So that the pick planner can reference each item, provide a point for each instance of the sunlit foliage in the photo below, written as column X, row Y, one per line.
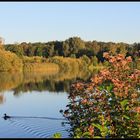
column 10, row 61
column 74, row 46
column 107, row 106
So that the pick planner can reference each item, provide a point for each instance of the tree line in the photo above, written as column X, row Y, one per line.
column 74, row 47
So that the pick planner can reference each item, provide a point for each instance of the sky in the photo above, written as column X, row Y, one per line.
column 47, row 21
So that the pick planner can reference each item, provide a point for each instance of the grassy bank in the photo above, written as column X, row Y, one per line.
column 39, row 64
column 39, row 67
column 70, row 67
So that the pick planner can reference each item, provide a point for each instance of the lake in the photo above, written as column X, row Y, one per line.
column 34, row 100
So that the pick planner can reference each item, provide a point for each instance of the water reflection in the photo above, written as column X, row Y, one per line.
column 10, row 80
column 23, row 82
column 47, row 95
column 2, row 99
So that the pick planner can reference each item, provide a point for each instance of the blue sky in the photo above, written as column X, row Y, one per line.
column 47, row 21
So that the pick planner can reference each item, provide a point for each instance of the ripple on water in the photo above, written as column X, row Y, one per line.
column 37, row 129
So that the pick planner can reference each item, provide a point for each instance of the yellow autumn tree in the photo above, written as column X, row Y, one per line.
column 9, row 61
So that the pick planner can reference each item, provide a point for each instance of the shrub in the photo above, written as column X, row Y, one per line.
column 10, row 61
column 108, row 105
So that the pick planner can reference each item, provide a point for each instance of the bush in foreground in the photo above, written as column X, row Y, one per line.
column 108, row 106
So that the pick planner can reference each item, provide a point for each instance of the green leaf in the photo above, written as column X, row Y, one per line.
column 127, row 108
column 123, row 103
column 109, row 88
column 86, row 134
column 57, row 135
column 126, row 117
column 101, row 87
column 98, row 126
column 96, row 137
column 77, row 137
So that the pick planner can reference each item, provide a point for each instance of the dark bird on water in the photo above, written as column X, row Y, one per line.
column 6, row 116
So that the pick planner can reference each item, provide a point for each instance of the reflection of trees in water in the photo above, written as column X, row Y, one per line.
column 50, row 83
column 10, row 80
column 2, row 98
column 23, row 82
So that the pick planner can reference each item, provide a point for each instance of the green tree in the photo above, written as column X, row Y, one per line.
column 50, row 49
column 75, row 44
column 39, row 51
column 86, row 59
column 121, row 48
column 73, row 55
column 65, row 48
column 15, row 48
column 94, row 61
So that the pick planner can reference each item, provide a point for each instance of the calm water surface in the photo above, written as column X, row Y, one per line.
column 33, row 95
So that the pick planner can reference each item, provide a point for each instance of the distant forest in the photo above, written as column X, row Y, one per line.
column 74, row 47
